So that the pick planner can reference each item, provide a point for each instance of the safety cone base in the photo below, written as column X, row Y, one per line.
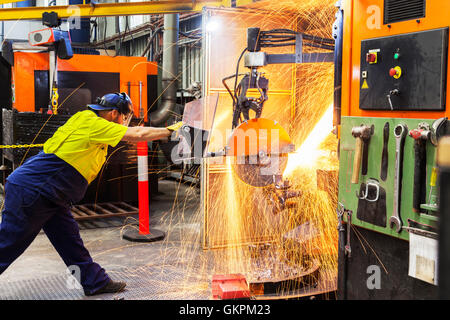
column 133, row 234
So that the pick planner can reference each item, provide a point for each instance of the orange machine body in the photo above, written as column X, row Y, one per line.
column 363, row 19
column 259, row 135
column 131, row 70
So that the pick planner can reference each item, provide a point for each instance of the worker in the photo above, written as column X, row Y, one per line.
column 39, row 193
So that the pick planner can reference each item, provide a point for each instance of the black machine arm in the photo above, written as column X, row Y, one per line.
column 255, row 58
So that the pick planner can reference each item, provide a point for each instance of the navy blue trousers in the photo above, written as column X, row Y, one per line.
column 25, row 213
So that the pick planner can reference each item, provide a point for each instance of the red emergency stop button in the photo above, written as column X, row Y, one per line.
column 395, row 72
column 392, row 72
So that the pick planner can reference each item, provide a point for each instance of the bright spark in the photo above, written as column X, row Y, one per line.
column 308, row 153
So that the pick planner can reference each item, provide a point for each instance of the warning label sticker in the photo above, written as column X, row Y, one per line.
column 365, row 85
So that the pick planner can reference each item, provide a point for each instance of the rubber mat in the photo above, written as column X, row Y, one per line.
column 143, row 283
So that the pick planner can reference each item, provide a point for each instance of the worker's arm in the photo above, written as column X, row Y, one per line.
column 136, row 134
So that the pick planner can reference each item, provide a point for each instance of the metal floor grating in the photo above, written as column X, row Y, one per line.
column 166, row 282
column 49, row 288
column 84, row 212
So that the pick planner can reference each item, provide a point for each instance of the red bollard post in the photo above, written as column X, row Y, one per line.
column 144, row 233
column 144, row 212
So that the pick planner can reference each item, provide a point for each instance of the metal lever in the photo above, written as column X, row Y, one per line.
column 394, row 92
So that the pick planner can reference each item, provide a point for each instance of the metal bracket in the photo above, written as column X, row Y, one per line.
column 298, row 48
column 299, row 56
column 372, row 183
column 305, row 58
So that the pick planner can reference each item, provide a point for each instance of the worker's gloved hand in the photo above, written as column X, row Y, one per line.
column 176, row 126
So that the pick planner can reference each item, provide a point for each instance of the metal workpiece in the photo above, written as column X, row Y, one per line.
column 280, row 193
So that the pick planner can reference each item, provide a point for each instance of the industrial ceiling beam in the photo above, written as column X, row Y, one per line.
column 112, row 9
column 9, row 1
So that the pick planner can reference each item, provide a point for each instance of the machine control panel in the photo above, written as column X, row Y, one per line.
column 404, row 72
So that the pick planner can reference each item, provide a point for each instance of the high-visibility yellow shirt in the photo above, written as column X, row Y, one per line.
column 83, row 142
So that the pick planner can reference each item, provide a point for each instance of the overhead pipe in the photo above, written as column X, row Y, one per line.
column 169, row 71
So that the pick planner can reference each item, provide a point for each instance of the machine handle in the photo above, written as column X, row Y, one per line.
column 357, row 160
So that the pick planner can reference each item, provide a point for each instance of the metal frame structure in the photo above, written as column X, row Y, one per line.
column 116, row 9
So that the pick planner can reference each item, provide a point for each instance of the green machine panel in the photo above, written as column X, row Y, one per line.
column 372, row 198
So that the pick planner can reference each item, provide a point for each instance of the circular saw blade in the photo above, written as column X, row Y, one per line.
column 259, row 148
column 260, row 174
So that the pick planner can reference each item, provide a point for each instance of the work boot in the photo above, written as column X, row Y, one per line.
column 110, row 287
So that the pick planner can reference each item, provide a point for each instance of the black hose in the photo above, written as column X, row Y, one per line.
column 272, row 45
column 237, row 72
column 275, row 40
column 226, row 86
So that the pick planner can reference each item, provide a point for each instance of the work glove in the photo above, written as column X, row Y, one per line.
column 176, row 126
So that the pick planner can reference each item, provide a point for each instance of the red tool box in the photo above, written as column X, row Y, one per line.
column 230, row 286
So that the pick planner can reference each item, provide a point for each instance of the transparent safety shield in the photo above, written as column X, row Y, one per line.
column 198, row 118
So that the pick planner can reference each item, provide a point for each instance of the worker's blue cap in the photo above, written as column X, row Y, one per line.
column 113, row 101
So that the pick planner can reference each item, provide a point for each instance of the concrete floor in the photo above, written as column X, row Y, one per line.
column 175, row 268
column 174, row 210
